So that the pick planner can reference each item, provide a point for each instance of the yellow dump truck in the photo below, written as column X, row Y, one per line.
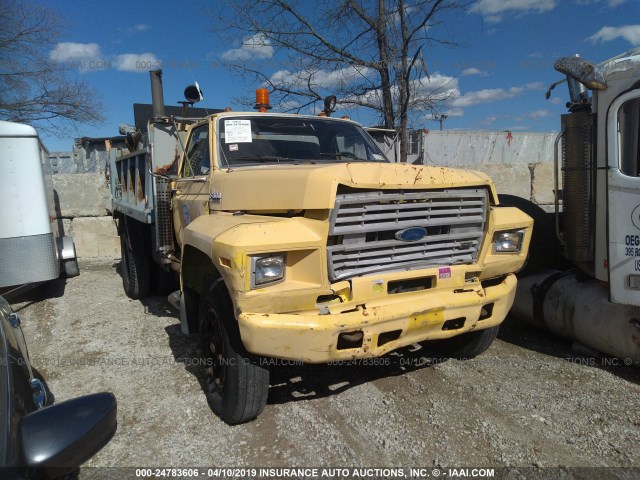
column 295, row 238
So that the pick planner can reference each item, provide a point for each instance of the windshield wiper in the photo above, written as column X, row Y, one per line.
column 268, row 159
column 348, row 155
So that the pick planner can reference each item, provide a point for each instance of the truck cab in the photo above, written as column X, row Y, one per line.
column 596, row 301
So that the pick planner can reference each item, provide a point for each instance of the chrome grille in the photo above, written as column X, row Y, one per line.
column 362, row 234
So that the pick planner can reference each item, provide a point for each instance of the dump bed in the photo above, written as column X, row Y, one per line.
column 140, row 188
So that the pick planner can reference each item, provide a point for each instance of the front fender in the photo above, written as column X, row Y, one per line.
column 229, row 240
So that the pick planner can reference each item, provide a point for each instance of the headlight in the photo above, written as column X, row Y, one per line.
column 267, row 270
column 508, row 242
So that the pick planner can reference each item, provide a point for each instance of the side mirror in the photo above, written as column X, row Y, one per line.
column 57, row 439
column 583, row 71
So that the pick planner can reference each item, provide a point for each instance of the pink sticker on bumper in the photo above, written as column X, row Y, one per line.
column 444, row 272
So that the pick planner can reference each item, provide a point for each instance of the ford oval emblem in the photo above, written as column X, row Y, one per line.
column 412, row 234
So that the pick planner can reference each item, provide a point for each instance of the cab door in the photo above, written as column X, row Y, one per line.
column 623, row 190
column 191, row 195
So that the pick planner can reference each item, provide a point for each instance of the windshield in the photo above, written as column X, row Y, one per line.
column 254, row 140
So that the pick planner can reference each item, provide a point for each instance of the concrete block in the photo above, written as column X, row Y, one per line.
column 542, row 183
column 80, row 195
column 512, row 179
column 95, row 237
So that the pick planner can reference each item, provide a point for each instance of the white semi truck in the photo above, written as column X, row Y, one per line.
column 596, row 299
column 32, row 249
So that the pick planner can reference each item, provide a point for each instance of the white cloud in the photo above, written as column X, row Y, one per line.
column 556, row 101
column 538, row 114
column 424, row 90
column 136, row 62
column 436, row 87
column 486, row 96
column 89, row 57
column 473, row 71
column 329, row 79
column 282, row 75
column 455, row 112
column 71, row 51
column 141, row 27
column 493, row 10
column 631, row 33
column 492, row 95
column 255, row 46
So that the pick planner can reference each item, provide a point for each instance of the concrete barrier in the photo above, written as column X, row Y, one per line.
column 512, row 179
column 95, row 237
column 519, row 163
column 467, row 149
column 80, row 195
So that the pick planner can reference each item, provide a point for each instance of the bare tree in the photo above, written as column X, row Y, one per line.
column 370, row 53
column 33, row 88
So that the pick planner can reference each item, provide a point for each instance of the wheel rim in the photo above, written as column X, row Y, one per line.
column 214, row 351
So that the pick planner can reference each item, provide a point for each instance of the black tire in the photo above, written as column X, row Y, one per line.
column 545, row 248
column 236, row 385
column 71, row 267
column 467, row 345
column 135, row 262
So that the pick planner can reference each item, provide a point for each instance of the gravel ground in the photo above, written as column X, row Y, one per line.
column 529, row 401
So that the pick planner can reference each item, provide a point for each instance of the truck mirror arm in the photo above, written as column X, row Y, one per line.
column 158, row 175
column 547, row 95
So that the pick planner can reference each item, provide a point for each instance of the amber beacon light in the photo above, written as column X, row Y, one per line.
column 262, row 100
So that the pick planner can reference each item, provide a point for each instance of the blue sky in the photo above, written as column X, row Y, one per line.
column 497, row 79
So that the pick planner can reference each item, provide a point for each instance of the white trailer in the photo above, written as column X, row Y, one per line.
column 32, row 250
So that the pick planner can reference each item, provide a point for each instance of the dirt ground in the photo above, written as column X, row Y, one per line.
column 530, row 401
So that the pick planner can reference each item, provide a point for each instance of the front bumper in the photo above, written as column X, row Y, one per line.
column 393, row 322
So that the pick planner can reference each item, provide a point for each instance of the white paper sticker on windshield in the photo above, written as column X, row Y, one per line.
column 237, row 131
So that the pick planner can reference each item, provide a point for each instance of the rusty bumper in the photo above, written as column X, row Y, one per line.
column 398, row 321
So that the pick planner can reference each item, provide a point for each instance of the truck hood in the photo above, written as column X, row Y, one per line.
column 302, row 187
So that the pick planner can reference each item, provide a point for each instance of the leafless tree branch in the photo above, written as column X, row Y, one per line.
column 33, row 88
column 369, row 53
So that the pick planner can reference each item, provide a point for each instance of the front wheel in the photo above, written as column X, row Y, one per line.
column 236, row 385
column 467, row 345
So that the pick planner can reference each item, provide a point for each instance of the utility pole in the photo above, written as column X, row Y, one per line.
column 440, row 117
